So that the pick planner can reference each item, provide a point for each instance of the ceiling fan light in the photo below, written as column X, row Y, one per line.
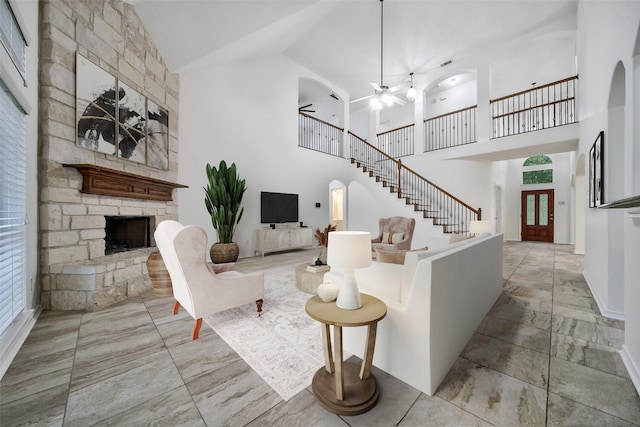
column 411, row 94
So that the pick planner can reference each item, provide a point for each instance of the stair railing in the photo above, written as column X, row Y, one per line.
column 547, row 106
column 397, row 142
column 319, row 135
column 451, row 129
column 434, row 202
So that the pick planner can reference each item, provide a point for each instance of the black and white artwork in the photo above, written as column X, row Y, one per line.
column 114, row 118
column 592, row 175
column 95, row 107
column 132, row 113
column 596, row 172
column 157, row 136
column 599, row 169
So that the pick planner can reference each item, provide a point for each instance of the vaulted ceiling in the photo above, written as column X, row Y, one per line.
column 340, row 39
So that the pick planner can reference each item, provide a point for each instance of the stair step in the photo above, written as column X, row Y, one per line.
column 380, row 171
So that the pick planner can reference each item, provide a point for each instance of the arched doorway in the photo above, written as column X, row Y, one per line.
column 338, row 204
column 537, row 200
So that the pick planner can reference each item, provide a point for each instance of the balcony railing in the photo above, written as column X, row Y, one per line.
column 397, row 142
column 451, row 129
column 318, row 135
column 547, row 106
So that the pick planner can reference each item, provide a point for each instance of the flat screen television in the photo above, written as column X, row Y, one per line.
column 278, row 207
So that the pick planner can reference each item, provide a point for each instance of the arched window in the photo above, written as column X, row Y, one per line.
column 537, row 160
column 536, row 170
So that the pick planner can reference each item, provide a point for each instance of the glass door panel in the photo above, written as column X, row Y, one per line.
column 537, row 215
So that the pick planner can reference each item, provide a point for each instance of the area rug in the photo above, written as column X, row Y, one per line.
column 284, row 345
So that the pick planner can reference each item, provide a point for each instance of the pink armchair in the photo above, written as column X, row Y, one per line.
column 196, row 287
column 395, row 233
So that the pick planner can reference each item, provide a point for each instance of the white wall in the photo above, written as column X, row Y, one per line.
column 398, row 116
column 455, row 98
column 247, row 113
column 14, row 336
column 598, row 54
column 360, row 122
column 533, row 61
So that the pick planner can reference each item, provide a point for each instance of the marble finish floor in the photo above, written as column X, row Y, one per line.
column 542, row 356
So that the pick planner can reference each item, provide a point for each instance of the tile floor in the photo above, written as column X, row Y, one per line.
column 542, row 356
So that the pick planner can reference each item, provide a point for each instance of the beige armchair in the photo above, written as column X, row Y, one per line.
column 395, row 233
column 196, row 287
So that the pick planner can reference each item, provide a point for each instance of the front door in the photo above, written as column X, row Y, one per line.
column 537, row 215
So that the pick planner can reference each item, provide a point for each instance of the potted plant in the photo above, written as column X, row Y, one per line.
column 323, row 240
column 223, row 196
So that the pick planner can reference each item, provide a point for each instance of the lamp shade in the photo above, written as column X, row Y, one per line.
column 349, row 249
column 478, row 227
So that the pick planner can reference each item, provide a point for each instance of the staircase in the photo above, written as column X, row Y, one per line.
column 435, row 203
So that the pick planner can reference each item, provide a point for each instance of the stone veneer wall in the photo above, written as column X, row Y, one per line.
column 110, row 34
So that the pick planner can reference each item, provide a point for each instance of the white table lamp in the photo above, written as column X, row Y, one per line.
column 349, row 250
column 479, row 227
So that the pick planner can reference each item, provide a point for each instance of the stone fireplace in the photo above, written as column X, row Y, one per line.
column 126, row 233
column 76, row 213
column 99, row 255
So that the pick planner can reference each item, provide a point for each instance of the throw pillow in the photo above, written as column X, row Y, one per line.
column 455, row 237
column 391, row 237
column 391, row 256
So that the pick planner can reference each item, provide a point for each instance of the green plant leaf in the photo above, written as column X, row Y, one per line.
column 223, row 196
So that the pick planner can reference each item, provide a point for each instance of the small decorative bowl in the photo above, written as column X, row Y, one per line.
column 328, row 291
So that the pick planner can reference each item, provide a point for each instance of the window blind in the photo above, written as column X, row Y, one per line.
column 12, row 208
column 11, row 37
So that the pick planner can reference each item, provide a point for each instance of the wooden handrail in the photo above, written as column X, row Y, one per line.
column 451, row 113
column 491, row 101
column 533, row 108
column 400, row 165
column 477, row 211
column 394, row 130
column 321, row 121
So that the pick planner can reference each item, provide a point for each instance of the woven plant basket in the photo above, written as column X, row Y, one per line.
column 159, row 275
column 224, row 252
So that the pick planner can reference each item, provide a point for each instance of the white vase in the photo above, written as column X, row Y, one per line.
column 328, row 291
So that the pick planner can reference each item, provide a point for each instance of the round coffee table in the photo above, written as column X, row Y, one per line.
column 346, row 388
column 308, row 281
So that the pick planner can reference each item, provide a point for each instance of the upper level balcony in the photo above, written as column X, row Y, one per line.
column 542, row 119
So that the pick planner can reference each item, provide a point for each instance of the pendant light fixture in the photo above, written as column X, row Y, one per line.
column 411, row 93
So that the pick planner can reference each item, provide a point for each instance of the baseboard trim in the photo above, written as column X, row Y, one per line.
column 15, row 335
column 632, row 368
column 606, row 313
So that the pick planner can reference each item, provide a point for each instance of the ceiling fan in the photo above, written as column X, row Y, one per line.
column 305, row 109
column 383, row 94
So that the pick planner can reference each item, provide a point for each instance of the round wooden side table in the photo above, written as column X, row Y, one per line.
column 346, row 388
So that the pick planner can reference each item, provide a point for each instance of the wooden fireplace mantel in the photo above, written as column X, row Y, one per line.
column 111, row 182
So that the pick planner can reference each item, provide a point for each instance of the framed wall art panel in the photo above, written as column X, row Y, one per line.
column 596, row 172
column 95, row 107
column 157, row 136
column 132, row 119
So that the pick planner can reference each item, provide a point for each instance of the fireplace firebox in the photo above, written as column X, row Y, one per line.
column 125, row 233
